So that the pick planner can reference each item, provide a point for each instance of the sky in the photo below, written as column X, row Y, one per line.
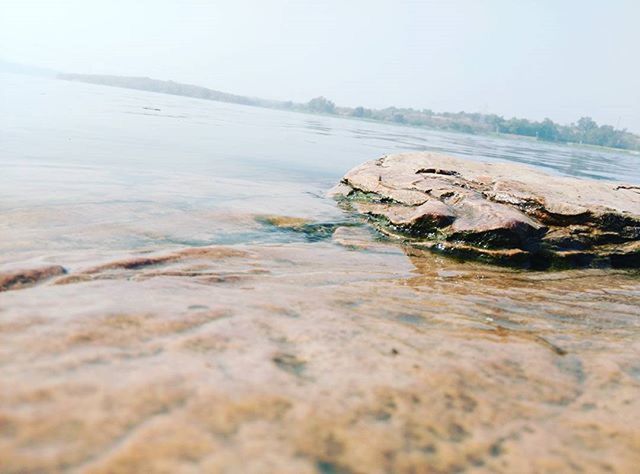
column 561, row 59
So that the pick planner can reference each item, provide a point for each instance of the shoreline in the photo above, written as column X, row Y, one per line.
column 348, row 117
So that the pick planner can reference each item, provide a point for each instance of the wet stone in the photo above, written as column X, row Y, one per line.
column 309, row 230
column 13, row 280
column 501, row 213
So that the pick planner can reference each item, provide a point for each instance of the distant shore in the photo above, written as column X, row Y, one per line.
column 584, row 132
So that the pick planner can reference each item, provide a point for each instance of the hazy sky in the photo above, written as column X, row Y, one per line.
column 556, row 58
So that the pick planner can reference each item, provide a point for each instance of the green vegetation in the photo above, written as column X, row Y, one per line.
column 584, row 131
column 321, row 105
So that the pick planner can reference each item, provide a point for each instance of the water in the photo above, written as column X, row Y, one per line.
column 106, row 156
column 241, row 345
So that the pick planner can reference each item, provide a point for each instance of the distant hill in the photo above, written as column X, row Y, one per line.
column 583, row 131
column 170, row 87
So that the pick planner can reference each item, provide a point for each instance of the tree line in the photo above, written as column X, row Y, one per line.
column 585, row 130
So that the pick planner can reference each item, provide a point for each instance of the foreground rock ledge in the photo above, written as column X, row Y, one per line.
column 498, row 212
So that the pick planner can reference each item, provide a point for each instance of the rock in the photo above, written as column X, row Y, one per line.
column 283, row 222
column 180, row 263
column 498, row 212
column 330, row 360
column 362, row 238
column 17, row 279
column 310, row 230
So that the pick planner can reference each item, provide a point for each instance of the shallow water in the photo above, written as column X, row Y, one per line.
column 192, row 334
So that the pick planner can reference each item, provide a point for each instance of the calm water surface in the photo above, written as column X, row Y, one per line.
column 189, row 336
column 105, row 157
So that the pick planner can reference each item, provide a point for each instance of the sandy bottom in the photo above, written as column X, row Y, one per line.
column 340, row 356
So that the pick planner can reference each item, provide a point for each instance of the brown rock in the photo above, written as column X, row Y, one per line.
column 497, row 211
column 24, row 278
column 331, row 360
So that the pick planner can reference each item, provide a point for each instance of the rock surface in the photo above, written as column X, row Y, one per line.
column 332, row 356
column 498, row 212
column 25, row 278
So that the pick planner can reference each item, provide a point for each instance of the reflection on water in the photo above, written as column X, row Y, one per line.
column 193, row 334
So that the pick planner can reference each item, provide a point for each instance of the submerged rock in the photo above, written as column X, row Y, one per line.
column 13, row 280
column 302, row 358
column 312, row 231
column 498, row 212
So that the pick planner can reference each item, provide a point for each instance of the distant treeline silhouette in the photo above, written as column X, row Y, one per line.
column 584, row 131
